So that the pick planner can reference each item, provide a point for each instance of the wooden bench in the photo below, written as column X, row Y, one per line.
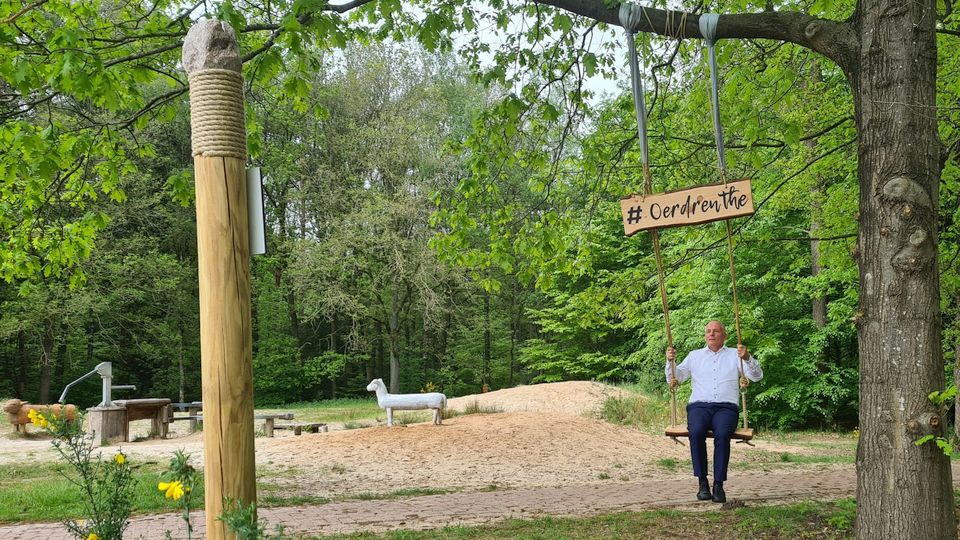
column 269, row 420
column 195, row 414
column 300, row 427
column 193, row 410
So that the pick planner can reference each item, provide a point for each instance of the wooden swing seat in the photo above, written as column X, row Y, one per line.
column 742, row 434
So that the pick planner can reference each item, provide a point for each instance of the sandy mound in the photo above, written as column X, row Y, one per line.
column 572, row 397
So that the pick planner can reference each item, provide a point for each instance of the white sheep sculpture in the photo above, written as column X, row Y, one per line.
column 407, row 402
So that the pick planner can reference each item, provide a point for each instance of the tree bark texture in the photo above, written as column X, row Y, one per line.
column 819, row 302
column 46, row 361
column 394, row 346
column 956, row 381
column 21, row 387
column 904, row 490
column 485, row 371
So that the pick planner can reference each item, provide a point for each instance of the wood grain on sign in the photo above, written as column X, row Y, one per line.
column 700, row 204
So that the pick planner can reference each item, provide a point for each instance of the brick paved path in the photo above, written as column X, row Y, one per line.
column 434, row 511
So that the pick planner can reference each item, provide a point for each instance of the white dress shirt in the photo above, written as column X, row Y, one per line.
column 716, row 375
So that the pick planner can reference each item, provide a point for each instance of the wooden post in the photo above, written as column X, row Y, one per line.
column 211, row 58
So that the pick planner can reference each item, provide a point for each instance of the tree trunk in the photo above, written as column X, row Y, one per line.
column 394, row 339
column 819, row 303
column 515, row 315
column 378, row 329
column 956, row 382
column 442, row 350
column 61, row 359
column 181, row 383
column 424, row 349
column 371, row 363
column 903, row 490
column 485, row 374
column 46, row 362
column 21, row 386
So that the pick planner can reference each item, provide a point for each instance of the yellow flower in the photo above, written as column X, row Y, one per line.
column 93, row 536
column 174, row 490
column 120, row 459
column 37, row 419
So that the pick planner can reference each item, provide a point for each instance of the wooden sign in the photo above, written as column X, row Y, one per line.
column 700, row 204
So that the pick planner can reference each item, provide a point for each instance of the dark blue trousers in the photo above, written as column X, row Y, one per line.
column 721, row 418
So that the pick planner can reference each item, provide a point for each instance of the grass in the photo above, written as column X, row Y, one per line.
column 635, row 410
column 39, row 492
column 473, row 407
column 807, row 520
column 355, row 410
column 355, row 413
column 669, row 464
column 401, row 493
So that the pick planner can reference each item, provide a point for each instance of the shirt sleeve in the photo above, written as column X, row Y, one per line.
column 752, row 370
column 683, row 370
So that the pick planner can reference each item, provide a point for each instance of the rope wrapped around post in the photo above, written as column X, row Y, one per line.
column 217, row 126
column 630, row 15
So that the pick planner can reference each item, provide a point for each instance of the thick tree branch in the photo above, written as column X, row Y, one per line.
column 835, row 40
column 144, row 54
column 343, row 8
column 25, row 9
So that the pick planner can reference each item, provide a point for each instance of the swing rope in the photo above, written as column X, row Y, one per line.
column 629, row 17
column 708, row 28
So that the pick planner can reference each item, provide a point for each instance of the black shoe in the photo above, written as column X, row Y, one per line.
column 718, row 495
column 704, row 492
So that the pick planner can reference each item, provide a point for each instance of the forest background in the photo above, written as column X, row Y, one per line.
column 443, row 215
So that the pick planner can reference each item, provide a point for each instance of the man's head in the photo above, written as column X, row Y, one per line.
column 715, row 335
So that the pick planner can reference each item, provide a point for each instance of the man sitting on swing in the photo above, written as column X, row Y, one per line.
column 715, row 370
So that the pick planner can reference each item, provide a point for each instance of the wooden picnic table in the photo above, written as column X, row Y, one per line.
column 153, row 409
column 192, row 408
column 194, row 411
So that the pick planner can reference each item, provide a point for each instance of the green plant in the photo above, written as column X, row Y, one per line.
column 942, row 400
column 474, row 407
column 846, row 513
column 667, row 463
column 104, row 486
column 180, row 478
column 242, row 521
column 632, row 411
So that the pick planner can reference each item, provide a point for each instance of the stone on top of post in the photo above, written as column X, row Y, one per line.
column 211, row 44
